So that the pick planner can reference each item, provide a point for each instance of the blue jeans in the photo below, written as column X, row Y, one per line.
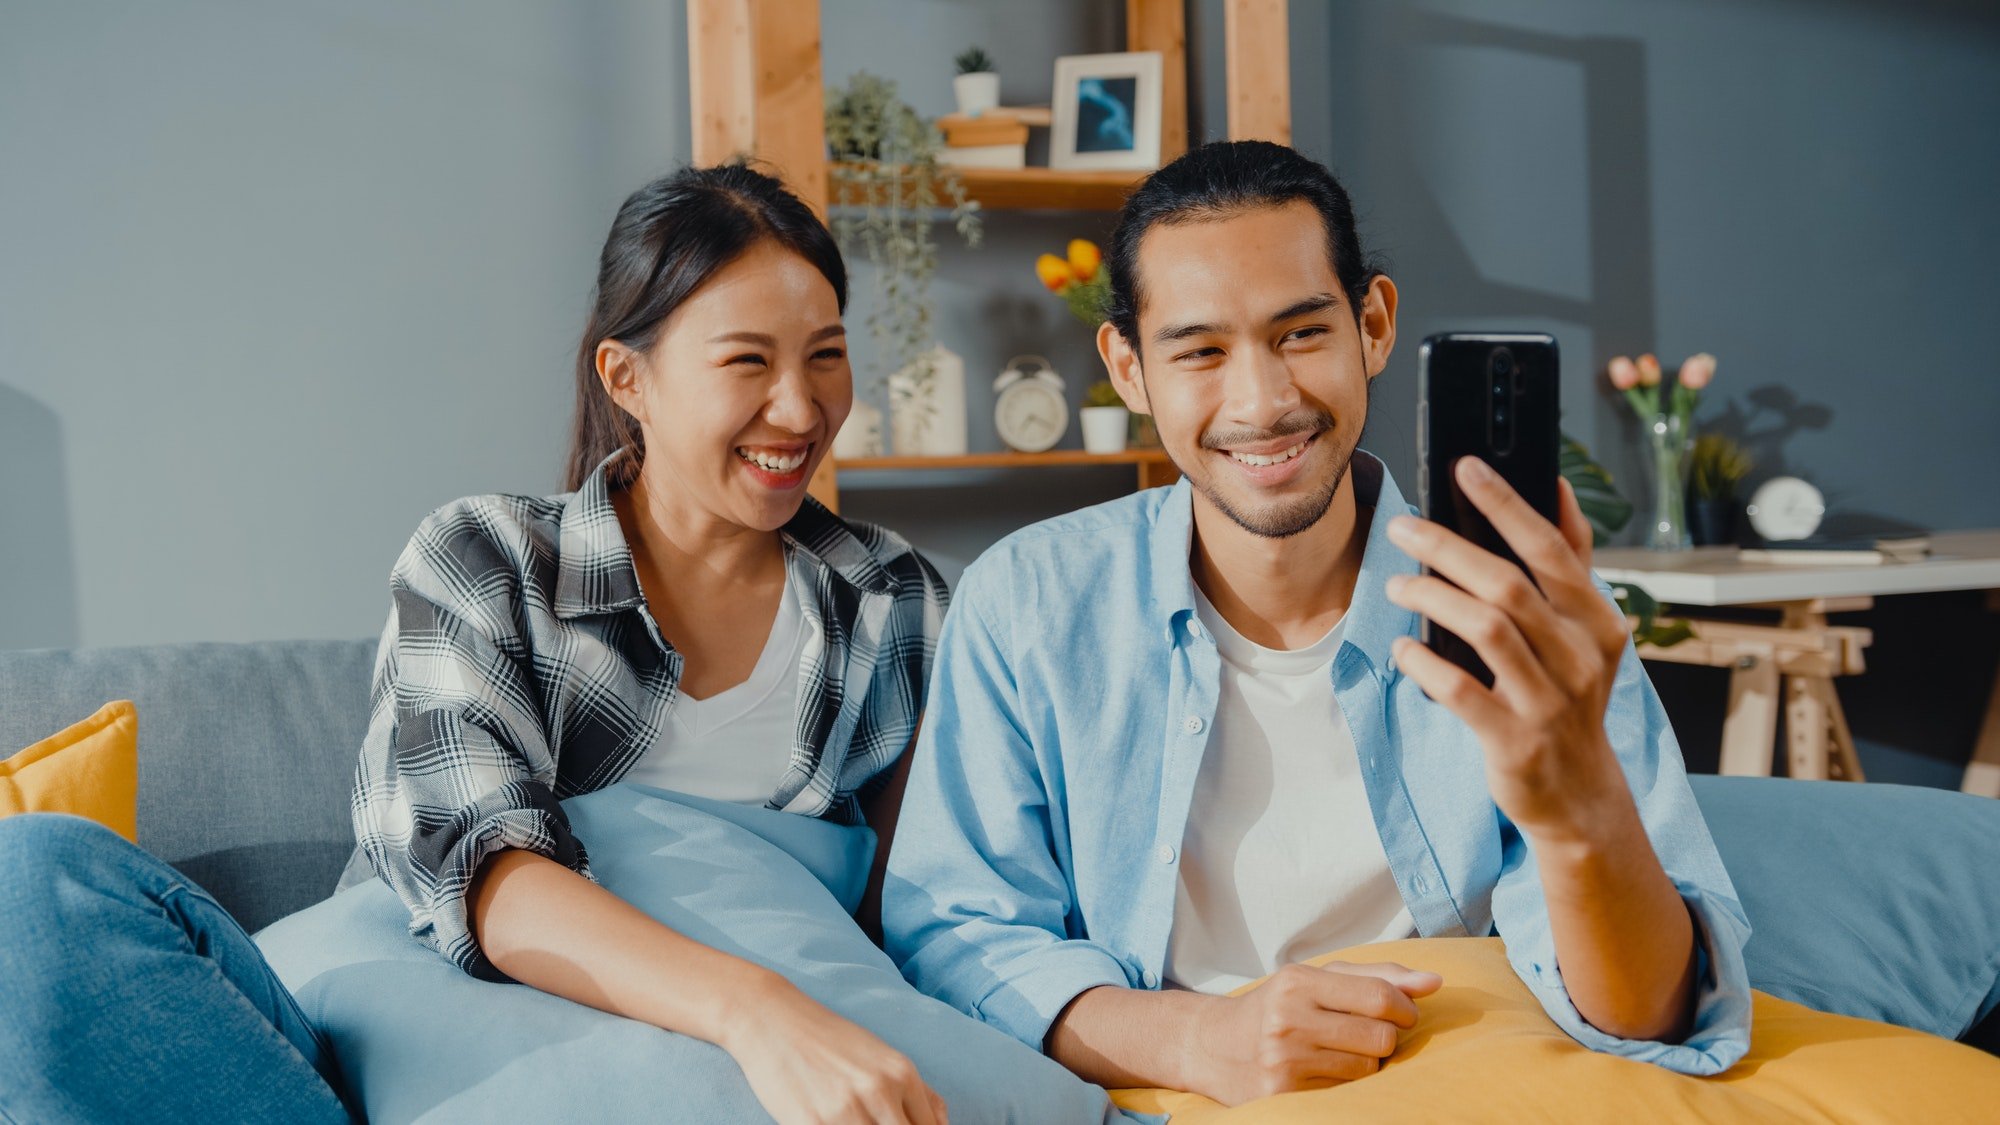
column 128, row 994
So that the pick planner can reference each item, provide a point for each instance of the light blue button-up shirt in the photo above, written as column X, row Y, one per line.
column 1073, row 697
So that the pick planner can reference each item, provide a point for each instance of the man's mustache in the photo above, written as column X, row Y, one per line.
column 1297, row 422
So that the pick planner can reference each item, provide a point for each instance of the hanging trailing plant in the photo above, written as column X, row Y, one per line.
column 886, row 186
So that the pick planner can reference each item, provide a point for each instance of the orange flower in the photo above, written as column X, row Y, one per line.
column 1084, row 258
column 1649, row 370
column 1624, row 373
column 1054, row 272
column 1697, row 371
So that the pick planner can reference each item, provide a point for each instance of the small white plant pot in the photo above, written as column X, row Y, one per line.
column 976, row 93
column 862, row 435
column 1104, row 428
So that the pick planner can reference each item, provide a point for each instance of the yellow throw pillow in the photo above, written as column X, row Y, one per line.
column 90, row 770
column 1483, row 1050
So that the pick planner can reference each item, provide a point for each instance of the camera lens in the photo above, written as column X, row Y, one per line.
column 1500, row 417
column 1503, row 363
column 1500, row 388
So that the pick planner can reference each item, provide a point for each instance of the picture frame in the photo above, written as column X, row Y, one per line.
column 1107, row 112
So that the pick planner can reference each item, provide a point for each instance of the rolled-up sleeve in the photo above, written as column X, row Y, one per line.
column 455, row 765
column 976, row 906
column 1651, row 759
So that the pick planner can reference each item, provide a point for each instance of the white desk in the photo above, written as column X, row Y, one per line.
column 1804, row 649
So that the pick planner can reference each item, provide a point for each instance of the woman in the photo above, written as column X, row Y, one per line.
column 684, row 616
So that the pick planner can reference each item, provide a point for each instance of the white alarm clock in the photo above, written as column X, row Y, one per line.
column 1030, row 408
column 1785, row 508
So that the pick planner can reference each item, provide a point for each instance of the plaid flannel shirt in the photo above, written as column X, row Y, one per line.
column 520, row 667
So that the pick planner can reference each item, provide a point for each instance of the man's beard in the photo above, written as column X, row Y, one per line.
column 1291, row 517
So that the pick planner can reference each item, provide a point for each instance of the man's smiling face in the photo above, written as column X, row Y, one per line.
column 1251, row 362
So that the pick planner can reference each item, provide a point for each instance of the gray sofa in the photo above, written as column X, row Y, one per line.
column 247, row 754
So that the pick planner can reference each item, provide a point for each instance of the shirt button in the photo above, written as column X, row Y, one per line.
column 1193, row 724
column 1420, row 885
column 1194, row 628
column 1165, row 852
column 1150, row 979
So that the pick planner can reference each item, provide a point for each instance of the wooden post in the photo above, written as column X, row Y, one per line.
column 1259, row 70
column 1159, row 25
column 1982, row 773
column 1750, row 728
column 1805, row 730
column 1153, row 474
column 1845, row 762
column 755, row 89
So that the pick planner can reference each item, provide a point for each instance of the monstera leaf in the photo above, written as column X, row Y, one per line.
column 1609, row 512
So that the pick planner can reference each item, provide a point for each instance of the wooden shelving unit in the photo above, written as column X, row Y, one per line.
column 1046, row 189
column 757, row 88
column 1154, row 467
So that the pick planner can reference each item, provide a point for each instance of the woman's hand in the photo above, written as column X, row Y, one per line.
column 808, row 1066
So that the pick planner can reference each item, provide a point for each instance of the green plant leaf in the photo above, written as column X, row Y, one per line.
column 1665, row 636
column 1607, row 511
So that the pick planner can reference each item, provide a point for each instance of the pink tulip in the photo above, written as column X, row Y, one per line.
column 1624, row 375
column 1697, row 371
column 1649, row 370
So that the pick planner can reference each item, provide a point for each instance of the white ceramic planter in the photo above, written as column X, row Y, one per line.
column 862, row 435
column 976, row 93
column 1104, row 428
column 927, row 417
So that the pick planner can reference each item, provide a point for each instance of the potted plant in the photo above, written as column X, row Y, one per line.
column 1715, row 467
column 977, row 86
column 1105, row 419
column 886, row 187
column 1669, row 427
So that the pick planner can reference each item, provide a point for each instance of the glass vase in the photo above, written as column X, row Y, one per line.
column 1668, row 439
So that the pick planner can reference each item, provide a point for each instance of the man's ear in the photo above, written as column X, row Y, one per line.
column 1121, row 361
column 618, row 371
column 1378, row 324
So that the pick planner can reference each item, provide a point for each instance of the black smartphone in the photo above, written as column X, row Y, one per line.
column 1493, row 396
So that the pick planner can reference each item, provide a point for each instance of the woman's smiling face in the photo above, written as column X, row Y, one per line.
column 741, row 393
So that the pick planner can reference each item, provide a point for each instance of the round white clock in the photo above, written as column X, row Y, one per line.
column 1030, row 409
column 1785, row 508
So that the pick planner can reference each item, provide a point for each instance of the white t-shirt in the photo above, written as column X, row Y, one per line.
column 1281, row 860
column 736, row 744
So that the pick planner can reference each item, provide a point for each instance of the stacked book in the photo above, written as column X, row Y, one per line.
column 1842, row 552
column 997, row 138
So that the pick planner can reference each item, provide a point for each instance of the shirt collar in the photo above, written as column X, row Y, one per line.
column 595, row 572
column 1372, row 623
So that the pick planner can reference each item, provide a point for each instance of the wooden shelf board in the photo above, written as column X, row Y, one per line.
column 1029, row 189
column 1054, row 457
column 1024, row 189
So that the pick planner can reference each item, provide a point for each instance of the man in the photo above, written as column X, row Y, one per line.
column 1189, row 738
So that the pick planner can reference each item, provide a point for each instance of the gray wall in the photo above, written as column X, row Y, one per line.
column 275, row 281
column 1803, row 189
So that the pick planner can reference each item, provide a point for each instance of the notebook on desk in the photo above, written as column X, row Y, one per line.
column 1840, row 552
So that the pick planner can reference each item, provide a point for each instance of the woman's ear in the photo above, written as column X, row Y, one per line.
column 1378, row 323
column 618, row 370
column 1121, row 361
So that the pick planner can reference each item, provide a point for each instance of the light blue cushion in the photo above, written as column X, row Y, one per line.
column 419, row 1040
column 1879, row 901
